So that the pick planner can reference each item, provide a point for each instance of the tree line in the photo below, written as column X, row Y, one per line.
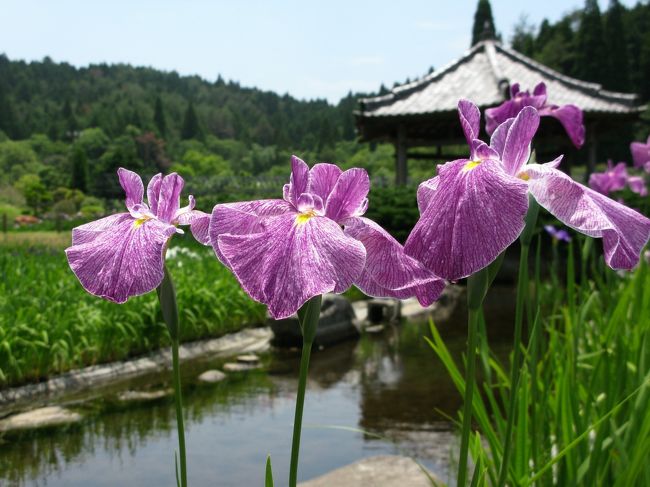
column 610, row 47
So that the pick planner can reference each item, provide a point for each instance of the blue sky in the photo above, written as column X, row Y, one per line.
column 310, row 49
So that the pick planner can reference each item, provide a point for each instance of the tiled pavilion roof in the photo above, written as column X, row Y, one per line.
column 483, row 75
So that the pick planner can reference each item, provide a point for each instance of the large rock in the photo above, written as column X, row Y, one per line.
column 379, row 471
column 40, row 418
column 337, row 323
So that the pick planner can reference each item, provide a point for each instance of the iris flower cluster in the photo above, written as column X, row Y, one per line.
column 316, row 240
column 287, row 252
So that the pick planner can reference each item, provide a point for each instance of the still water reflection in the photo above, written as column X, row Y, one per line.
column 390, row 386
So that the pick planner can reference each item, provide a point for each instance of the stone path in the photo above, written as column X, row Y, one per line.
column 379, row 471
column 40, row 418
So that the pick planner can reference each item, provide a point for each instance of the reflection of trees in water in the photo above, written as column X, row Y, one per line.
column 403, row 382
column 115, row 429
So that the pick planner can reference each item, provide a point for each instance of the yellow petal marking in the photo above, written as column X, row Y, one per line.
column 139, row 222
column 470, row 165
column 302, row 218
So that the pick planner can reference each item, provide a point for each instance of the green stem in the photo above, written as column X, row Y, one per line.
column 470, row 379
column 308, row 315
column 477, row 286
column 167, row 298
column 522, row 300
column 179, row 413
column 522, row 293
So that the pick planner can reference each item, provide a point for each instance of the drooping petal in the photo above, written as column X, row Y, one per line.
column 348, row 197
column 291, row 261
column 322, row 179
column 243, row 219
column 497, row 115
column 389, row 272
column 169, row 198
column 516, row 149
column 571, row 118
column 123, row 259
column 426, row 189
column 132, row 185
column 600, row 182
column 89, row 231
column 199, row 223
column 298, row 180
column 153, row 192
column 614, row 179
column 470, row 120
column 476, row 212
column 640, row 153
column 624, row 231
column 637, row 185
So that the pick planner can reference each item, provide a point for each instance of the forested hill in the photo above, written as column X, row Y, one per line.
column 60, row 100
column 610, row 47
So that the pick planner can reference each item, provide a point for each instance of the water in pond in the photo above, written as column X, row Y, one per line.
column 391, row 386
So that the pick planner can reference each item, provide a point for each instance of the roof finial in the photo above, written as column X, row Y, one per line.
column 483, row 28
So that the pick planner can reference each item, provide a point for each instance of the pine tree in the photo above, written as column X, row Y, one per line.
column 159, row 118
column 591, row 48
column 79, row 169
column 191, row 129
column 483, row 23
column 618, row 76
column 523, row 38
column 8, row 119
column 69, row 119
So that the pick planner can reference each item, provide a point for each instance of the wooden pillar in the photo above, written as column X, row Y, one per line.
column 401, row 165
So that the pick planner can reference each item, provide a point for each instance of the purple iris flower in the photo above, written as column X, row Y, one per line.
column 641, row 154
column 123, row 255
column 558, row 234
column 637, row 185
column 613, row 179
column 570, row 116
column 315, row 241
column 475, row 208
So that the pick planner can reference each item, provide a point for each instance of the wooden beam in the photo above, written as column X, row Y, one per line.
column 401, row 162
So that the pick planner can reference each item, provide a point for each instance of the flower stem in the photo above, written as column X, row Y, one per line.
column 308, row 316
column 167, row 298
column 477, row 286
column 179, row 413
column 522, row 301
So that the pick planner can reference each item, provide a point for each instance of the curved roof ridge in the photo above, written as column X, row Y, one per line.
column 568, row 80
column 405, row 88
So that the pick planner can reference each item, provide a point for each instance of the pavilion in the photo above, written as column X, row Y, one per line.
column 422, row 113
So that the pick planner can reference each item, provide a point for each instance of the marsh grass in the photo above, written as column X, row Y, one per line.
column 51, row 240
column 583, row 392
column 49, row 324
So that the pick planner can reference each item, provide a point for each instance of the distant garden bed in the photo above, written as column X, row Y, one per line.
column 49, row 324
